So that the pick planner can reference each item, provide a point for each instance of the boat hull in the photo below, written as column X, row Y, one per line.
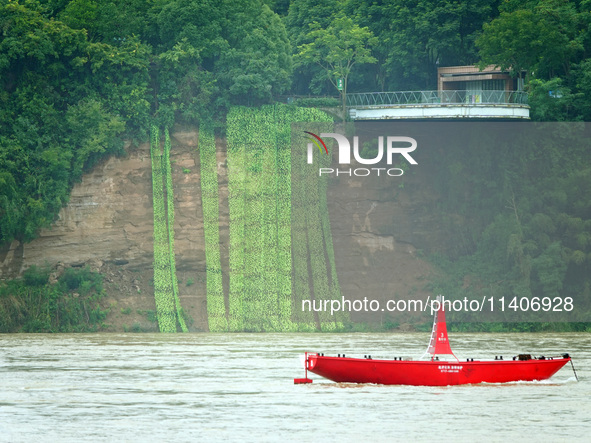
column 431, row 373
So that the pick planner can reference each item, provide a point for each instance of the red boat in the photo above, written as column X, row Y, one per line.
column 441, row 368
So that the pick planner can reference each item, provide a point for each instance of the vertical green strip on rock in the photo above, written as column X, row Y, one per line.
column 283, row 118
column 216, row 309
column 261, row 201
column 163, row 291
column 170, row 225
column 299, row 235
column 268, row 148
column 236, row 127
column 168, row 308
column 253, row 213
column 315, row 276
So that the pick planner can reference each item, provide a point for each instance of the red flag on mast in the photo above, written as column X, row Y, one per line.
column 439, row 343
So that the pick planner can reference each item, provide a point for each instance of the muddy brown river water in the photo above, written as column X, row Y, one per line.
column 239, row 387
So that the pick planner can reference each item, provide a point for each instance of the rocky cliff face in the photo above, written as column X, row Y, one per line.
column 379, row 226
column 108, row 224
column 108, row 218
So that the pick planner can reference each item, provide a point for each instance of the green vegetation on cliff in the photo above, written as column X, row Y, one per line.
column 265, row 225
column 69, row 304
column 78, row 77
column 216, row 308
column 168, row 307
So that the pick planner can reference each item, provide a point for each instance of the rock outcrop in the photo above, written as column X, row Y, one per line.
column 109, row 216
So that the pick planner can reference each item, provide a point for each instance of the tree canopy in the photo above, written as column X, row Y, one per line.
column 336, row 49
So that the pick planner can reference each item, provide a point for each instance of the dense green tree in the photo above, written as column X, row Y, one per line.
column 59, row 115
column 511, row 41
column 416, row 37
column 336, row 49
column 552, row 100
column 301, row 15
column 544, row 39
column 109, row 22
column 243, row 44
column 547, row 43
column 257, row 65
column 581, row 82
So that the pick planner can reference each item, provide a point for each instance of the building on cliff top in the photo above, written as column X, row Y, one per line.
column 463, row 92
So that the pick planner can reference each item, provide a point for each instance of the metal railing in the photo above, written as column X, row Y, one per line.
column 368, row 99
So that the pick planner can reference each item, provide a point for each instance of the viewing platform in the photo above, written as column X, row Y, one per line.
column 442, row 104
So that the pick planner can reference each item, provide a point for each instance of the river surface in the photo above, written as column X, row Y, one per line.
column 239, row 388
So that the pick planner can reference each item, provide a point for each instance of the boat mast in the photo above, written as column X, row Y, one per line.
column 439, row 342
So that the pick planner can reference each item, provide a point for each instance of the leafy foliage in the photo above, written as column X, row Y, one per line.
column 336, row 49
column 547, row 42
column 217, row 53
column 542, row 37
column 72, row 304
column 412, row 39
